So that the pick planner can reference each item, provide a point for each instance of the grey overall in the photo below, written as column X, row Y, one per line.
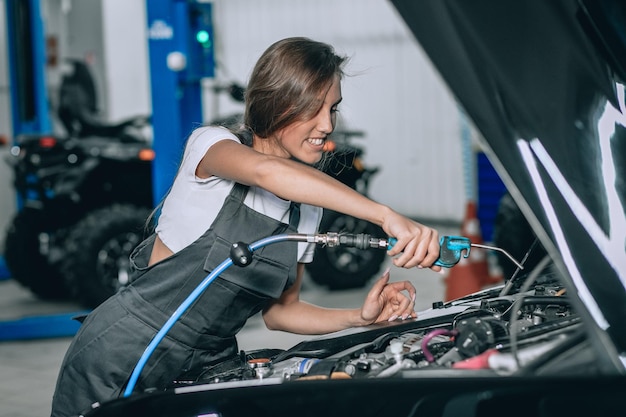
column 113, row 337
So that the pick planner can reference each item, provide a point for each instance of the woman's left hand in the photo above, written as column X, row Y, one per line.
column 388, row 301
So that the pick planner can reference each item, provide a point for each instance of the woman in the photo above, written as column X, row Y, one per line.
column 240, row 187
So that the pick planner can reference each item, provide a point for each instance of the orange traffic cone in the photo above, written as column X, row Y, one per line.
column 470, row 274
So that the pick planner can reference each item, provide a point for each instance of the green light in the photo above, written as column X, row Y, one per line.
column 202, row 36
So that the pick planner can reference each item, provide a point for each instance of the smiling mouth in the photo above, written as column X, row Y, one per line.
column 316, row 142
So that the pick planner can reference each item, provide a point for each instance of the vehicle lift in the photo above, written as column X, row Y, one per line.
column 181, row 54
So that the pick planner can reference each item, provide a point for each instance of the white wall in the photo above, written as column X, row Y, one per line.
column 125, row 59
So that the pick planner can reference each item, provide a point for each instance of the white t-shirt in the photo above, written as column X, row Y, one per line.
column 193, row 203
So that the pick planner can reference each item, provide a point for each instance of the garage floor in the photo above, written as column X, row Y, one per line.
column 28, row 368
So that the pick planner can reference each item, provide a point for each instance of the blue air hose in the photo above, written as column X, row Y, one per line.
column 194, row 295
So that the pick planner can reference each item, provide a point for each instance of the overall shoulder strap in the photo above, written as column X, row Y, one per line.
column 239, row 191
column 294, row 215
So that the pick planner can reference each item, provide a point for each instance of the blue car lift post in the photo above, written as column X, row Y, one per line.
column 177, row 29
column 180, row 43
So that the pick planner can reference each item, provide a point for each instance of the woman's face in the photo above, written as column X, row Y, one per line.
column 305, row 140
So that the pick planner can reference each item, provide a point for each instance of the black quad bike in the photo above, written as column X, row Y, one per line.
column 84, row 200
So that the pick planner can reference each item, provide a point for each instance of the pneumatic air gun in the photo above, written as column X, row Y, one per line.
column 450, row 252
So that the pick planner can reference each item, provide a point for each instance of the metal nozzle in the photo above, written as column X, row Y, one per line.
column 508, row 255
column 359, row 241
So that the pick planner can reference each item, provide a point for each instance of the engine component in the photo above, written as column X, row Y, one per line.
column 474, row 336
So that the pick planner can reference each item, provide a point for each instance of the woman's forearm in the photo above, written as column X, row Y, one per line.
column 292, row 181
column 304, row 318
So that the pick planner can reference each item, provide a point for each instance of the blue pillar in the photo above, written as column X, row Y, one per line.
column 27, row 75
column 178, row 62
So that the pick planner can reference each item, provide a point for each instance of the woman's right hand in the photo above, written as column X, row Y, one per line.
column 417, row 245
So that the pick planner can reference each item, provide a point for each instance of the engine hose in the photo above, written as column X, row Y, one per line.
column 194, row 295
column 427, row 338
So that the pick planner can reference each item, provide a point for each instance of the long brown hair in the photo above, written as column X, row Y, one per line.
column 288, row 82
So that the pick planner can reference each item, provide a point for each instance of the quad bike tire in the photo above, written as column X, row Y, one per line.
column 97, row 252
column 340, row 267
column 26, row 264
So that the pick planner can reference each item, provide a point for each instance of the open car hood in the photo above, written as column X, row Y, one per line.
column 543, row 81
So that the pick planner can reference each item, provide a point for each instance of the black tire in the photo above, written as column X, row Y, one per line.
column 341, row 267
column 97, row 252
column 26, row 264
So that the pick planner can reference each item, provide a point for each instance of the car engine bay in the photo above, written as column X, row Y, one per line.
column 491, row 333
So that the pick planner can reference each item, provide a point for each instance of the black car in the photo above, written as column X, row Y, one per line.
column 543, row 81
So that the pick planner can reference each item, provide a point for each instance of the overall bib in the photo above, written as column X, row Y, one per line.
column 113, row 337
